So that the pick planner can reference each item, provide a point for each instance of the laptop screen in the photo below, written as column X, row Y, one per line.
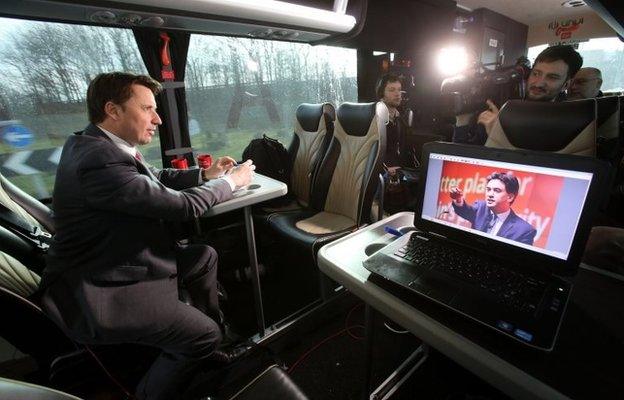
column 535, row 208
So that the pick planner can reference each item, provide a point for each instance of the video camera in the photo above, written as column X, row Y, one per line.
column 464, row 94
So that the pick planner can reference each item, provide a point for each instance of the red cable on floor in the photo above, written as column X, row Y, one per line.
column 316, row 346
column 110, row 376
column 346, row 329
column 354, row 336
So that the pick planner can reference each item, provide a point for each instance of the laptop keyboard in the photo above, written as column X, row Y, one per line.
column 518, row 291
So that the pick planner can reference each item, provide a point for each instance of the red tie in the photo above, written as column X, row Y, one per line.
column 138, row 156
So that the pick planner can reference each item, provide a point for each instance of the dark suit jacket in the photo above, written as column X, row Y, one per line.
column 514, row 227
column 112, row 266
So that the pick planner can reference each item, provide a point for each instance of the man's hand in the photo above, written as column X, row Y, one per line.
column 488, row 117
column 457, row 195
column 243, row 174
column 392, row 171
column 218, row 168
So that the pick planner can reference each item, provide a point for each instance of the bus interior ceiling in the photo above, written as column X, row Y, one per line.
column 259, row 59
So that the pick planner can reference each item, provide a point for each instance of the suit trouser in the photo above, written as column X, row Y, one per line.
column 192, row 335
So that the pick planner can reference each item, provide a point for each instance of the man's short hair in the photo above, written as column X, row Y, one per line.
column 565, row 53
column 385, row 79
column 512, row 185
column 595, row 71
column 115, row 87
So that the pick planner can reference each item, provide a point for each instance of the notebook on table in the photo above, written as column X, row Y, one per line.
column 499, row 234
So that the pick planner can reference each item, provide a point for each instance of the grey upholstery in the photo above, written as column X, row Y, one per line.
column 561, row 127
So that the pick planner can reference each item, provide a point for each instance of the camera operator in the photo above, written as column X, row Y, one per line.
column 399, row 194
column 549, row 78
column 388, row 90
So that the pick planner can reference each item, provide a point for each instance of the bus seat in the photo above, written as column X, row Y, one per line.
column 17, row 204
column 608, row 129
column 31, row 331
column 15, row 390
column 30, row 209
column 346, row 181
column 272, row 383
column 313, row 130
column 258, row 375
column 561, row 127
column 15, row 277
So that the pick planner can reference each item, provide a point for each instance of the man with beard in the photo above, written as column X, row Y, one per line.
column 550, row 76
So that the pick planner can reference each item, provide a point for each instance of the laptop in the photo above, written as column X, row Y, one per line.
column 499, row 234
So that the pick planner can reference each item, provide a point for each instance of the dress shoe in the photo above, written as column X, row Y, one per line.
column 229, row 355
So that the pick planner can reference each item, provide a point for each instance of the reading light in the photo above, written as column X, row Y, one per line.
column 452, row 60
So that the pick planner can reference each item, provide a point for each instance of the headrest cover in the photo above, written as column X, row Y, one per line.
column 545, row 126
column 355, row 118
column 607, row 106
column 308, row 116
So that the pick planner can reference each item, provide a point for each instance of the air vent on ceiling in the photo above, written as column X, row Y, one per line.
column 282, row 34
column 106, row 17
column 129, row 19
column 573, row 3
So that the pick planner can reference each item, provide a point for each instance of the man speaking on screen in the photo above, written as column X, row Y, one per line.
column 494, row 215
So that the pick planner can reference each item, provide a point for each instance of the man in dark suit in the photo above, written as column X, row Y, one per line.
column 494, row 215
column 113, row 268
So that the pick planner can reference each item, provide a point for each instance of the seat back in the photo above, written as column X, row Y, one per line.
column 20, row 209
column 347, row 177
column 314, row 128
column 608, row 129
column 25, row 206
column 28, row 329
column 560, row 127
column 25, row 325
column 608, row 117
column 15, row 390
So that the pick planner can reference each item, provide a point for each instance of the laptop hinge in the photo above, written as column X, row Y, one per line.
column 437, row 235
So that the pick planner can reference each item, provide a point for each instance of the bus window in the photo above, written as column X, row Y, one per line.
column 606, row 54
column 238, row 89
column 46, row 68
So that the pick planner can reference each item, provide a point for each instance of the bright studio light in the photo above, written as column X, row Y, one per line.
column 452, row 60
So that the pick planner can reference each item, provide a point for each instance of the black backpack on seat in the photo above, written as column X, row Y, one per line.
column 270, row 158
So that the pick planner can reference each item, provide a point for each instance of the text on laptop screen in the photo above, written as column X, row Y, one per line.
column 532, row 207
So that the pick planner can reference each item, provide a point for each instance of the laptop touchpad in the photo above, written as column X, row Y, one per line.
column 436, row 287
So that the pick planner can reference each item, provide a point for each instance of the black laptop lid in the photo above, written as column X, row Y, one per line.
column 532, row 208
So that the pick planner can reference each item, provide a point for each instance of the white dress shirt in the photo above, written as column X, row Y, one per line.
column 132, row 150
column 500, row 219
